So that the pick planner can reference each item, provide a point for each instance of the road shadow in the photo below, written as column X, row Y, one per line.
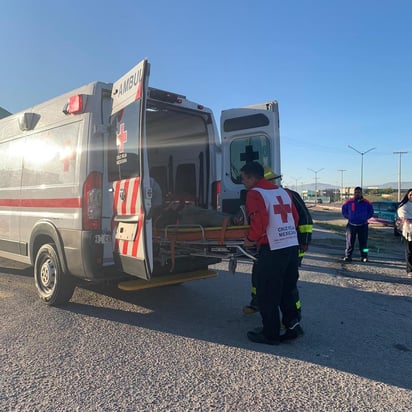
column 358, row 332
column 346, row 328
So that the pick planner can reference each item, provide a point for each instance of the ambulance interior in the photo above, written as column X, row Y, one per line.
column 178, row 147
column 181, row 147
column 179, row 152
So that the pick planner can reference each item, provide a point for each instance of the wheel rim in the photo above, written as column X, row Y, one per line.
column 47, row 276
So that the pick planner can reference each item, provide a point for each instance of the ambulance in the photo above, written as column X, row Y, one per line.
column 76, row 172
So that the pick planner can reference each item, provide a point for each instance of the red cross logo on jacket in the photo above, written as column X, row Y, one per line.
column 282, row 209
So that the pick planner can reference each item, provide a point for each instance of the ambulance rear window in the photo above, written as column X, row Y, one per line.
column 245, row 122
column 247, row 149
column 123, row 153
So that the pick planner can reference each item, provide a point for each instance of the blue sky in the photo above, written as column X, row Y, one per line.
column 340, row 70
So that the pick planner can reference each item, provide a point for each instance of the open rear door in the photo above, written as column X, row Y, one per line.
column 248, row 134
column 129, row 174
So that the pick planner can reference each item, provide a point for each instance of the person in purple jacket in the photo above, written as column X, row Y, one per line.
column 357, row 210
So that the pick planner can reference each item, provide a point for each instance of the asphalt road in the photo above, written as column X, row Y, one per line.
column 184, row 348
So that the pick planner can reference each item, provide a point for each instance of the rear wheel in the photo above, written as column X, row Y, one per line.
column 53, row 285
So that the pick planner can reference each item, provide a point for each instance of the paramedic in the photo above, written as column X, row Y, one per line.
column 357, row 210
column 273, row 220
column 290, row 318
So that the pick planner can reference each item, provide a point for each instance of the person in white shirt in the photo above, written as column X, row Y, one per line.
column 405, row 213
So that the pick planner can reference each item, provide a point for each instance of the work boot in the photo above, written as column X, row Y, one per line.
column 252, row 307
column 292, row 333
column 259, row 337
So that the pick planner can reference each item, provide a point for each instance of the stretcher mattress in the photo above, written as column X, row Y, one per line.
column 192, row 233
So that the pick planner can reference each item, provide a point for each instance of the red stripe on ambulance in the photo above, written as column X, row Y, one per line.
column 125, row 188
column 127, row 203
column 64, row 203
column 135, row 191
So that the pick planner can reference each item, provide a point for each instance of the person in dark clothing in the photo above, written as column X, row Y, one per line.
column 273, row 221
column 291, row 293
column 357, row 210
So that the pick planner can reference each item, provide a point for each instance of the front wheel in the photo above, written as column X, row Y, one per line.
column 53, row 285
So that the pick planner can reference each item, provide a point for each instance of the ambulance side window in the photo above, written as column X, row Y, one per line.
column 247, row 149
column 123, row 153
column 50, row 156
column 10, row 165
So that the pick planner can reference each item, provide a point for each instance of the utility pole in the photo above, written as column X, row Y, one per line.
column 296, row 183
column 399, row 173
column 361, row 153
column 316, row 181
column 341, row 183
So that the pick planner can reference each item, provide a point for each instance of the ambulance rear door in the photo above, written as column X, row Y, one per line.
column 129, row 174
column 248, row 134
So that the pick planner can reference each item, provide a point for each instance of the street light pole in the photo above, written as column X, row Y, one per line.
column 361, row 153
column 316, row 181
column 296, row 182
column 399, row 173
column 341, row 182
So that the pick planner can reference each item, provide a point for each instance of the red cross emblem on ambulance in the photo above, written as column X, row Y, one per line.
column 67, row 156
column 121, row 138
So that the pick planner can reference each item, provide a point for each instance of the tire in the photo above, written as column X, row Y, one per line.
column 53, row 285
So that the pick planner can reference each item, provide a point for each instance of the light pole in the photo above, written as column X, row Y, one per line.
column 316, row 181
column 361, row 153
column 399, row 173
column 341, row 183
column 296, row 182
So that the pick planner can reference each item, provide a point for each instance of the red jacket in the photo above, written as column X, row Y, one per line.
column 258, row 214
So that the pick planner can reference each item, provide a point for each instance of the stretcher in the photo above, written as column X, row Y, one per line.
column 223, row 242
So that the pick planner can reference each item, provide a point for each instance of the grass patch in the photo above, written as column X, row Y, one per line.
column 333, row 227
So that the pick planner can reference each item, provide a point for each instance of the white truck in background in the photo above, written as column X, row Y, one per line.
column 75, row 194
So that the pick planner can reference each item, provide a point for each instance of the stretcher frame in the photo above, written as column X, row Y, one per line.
column 222, row 242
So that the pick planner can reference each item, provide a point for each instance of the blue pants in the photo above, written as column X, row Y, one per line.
column 361, row 232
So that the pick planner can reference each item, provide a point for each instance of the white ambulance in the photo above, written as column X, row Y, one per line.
column 75, row 173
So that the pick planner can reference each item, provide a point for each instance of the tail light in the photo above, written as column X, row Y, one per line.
column 216, row 190
column 92, row 202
